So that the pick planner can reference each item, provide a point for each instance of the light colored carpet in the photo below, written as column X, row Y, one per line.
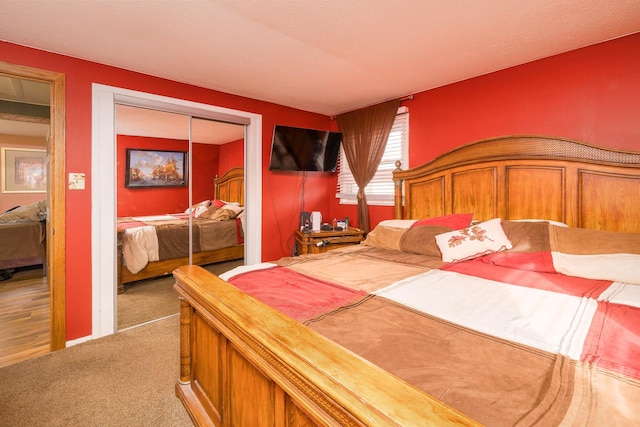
column 223, row 267
column 125, row 379
column 153, row 299
column 146, row 301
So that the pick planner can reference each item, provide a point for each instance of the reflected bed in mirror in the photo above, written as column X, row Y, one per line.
column 218, row 234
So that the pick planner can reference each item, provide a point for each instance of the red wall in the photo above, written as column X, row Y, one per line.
column 205, row 167
column 300, row 191
column 154, row 201
column 231, row 156
column 79, row 78
column 208, row 160
column 591, row 95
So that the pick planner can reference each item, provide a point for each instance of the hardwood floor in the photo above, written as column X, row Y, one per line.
column 24, row 316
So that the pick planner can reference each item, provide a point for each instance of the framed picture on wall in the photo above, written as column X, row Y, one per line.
column 24, row 170
column 155, row 168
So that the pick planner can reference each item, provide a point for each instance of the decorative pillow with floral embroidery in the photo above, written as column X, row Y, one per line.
column 474, row 241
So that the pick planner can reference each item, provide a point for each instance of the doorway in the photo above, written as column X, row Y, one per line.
column 55, row 223
column 103, row 169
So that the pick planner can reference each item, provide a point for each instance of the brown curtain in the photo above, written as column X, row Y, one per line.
column 364, row 139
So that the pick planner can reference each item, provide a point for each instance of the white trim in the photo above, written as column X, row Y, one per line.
column 103, row 189
column 79, row 341
column 149, row 322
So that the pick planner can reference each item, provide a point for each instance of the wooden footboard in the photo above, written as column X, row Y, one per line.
column 243, row 363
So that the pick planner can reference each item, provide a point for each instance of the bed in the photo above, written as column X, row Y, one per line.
column 216, row 238
column 535, row 323
column 22, row 233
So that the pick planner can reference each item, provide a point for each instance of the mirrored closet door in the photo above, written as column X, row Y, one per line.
column 167, row 208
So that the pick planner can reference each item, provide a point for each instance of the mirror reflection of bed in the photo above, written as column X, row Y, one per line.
column 162, row 216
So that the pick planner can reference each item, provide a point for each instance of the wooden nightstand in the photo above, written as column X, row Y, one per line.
column 322, row 241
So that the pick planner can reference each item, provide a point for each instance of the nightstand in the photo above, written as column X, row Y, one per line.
column 317, row 242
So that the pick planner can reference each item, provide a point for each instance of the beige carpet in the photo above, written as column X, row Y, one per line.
column 146, row 301
column 154, row 299
column 125, row 379
column 223, row 267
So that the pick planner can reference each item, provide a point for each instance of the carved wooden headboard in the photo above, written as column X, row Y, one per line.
column 527, row 177
column 230, row 186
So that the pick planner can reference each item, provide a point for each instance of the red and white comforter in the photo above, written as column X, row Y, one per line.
column 555, row 320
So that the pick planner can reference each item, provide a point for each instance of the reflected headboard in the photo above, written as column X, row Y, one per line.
column 230, row 186
column 527, row 177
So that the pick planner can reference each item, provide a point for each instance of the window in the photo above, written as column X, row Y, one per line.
column 380, row 190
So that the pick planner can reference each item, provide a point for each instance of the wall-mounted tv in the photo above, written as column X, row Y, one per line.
column 299, row 149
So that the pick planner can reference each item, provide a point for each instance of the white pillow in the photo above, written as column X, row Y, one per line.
column 200, row 210
column 204, row 203
column 556, row 223
column 477, row 240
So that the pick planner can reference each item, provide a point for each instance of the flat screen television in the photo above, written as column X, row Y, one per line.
column 299, row 149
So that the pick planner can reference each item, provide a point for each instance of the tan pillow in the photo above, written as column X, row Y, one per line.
column 422, row 240
column 36, row 211
column 211, row 210
column 397, row 223
column 234, row 207
column 223, row 214
column 385, row 237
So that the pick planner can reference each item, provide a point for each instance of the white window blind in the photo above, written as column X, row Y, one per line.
column 380, row 189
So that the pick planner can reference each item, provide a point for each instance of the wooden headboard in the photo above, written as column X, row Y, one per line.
column 527, row 177
column 230, row 186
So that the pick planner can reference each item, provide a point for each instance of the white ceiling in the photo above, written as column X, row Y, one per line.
column 129, row 120
column 18, row 90
column 161, row 124
column 326, row 56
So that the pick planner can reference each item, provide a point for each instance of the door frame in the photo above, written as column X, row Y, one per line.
column 103, row 192
column 55, row 230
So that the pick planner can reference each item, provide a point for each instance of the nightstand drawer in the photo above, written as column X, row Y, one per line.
column 322, row 241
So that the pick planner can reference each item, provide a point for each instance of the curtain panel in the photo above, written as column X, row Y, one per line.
column 364, row 139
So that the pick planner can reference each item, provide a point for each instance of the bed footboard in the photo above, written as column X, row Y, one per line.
column 243, row 363
column 165, row 267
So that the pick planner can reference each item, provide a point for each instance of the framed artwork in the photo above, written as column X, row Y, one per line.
column 24, row 170
column 155, row 168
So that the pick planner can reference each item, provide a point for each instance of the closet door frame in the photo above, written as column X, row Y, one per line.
column 103, row 198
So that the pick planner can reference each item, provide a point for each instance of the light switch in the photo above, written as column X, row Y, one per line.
column 76, row 181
